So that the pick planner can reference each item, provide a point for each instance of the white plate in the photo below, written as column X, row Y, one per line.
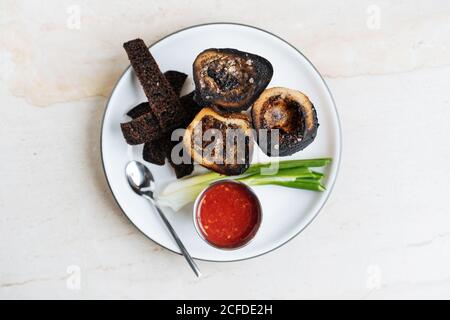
column 286, row 211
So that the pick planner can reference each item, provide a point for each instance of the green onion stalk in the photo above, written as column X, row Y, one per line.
column 290, row 173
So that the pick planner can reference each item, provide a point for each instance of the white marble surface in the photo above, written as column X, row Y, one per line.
column 385, row 232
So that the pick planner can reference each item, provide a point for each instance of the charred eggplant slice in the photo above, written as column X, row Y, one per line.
column 289, row 111
column 220, row 142
column 230, row 79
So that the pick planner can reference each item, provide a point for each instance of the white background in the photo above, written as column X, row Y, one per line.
column 385, row 232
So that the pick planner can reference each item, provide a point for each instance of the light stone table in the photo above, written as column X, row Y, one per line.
column 385, row 231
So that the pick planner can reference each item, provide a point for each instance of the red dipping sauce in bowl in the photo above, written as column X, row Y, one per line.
column 227, row 214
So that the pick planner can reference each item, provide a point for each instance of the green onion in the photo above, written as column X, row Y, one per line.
column 320, row 162
column 291, row 173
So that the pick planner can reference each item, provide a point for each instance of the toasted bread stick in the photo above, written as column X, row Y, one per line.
column 140, row 130
column 176, row 80
column 164, row 102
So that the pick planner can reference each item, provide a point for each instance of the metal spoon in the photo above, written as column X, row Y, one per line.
column 141, row 181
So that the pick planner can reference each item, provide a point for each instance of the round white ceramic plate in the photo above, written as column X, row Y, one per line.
column 286, row 212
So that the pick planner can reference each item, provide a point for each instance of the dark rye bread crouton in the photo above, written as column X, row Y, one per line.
column 141, row 109
column 152, row 152
column 156, row 151
column 140, row 130
column 182, row 169
column 164, row 102
column 190, row 108
column 176, row 80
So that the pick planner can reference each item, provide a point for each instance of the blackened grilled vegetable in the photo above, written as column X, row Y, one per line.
column 230, row 79
column 220, row 142
column 289, row 111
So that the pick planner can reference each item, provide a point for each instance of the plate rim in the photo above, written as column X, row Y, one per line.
column 330, row 190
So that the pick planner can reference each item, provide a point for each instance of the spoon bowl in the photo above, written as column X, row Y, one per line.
column 142, row 182
column 140, row 177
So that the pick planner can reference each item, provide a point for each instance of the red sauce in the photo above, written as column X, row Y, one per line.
column 228, row 214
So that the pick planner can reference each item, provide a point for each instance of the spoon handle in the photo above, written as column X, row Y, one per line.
column 185, row 253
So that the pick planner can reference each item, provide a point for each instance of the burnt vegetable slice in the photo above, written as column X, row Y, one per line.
column 220, row 142
column 289, row 111
column 230, row 79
